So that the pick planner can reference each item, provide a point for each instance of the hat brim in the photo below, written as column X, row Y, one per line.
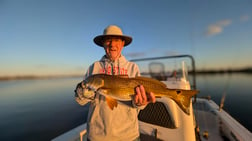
column 99, row 39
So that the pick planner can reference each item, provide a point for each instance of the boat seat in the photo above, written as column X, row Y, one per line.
column 157, row 114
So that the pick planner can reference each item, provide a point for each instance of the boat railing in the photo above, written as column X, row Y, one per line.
column 192, row 71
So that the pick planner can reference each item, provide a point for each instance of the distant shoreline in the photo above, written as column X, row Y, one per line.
column 245, row 70
column 31, row 77
column 198, row 72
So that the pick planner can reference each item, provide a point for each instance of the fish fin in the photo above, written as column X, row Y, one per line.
column 184, row 99
column 111, row 102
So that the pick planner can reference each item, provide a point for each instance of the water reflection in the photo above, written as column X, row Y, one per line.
column 238, row 94
column 44, row 109
column 38, row 109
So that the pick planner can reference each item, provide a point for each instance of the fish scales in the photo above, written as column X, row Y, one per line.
column 126, row 86
column 123, row 88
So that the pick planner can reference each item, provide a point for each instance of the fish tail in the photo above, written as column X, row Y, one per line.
column 183, row 99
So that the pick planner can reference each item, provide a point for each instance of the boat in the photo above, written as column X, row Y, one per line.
column 165, row 121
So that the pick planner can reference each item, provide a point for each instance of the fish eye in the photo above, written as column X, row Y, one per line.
column 85, row 86
column 178, row 91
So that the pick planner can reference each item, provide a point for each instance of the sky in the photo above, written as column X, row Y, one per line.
column 55, row 37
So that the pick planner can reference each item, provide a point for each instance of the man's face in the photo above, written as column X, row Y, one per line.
column 113, row 47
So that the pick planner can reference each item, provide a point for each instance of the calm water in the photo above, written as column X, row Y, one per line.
column 38, row 109
column 238, row 94
column 43, row 109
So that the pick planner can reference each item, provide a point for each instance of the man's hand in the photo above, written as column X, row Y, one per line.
column 141, row 98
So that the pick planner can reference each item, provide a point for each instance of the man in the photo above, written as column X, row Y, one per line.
column 121, row 123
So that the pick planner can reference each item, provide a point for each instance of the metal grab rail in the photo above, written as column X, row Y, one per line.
column 175, row 56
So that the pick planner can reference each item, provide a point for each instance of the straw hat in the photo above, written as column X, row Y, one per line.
column 114, row 31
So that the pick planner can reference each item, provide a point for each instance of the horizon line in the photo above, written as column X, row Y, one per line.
column 198, row 71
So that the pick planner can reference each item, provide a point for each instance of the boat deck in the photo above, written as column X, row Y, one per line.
column 208, row 122
column 218, row 125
